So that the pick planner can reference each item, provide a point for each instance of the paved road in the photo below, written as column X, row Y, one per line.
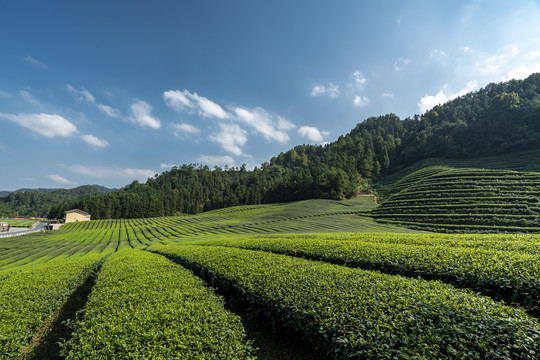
column 23, row 231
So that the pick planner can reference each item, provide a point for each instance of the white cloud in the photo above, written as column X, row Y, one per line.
column 178, row 129
column 216, row 160
column 387, row 95
column 29, row 98
column 60, row 179
column 185, row 100
column 436, row 56
column 92, row 140
column 113, row 173
column 400, row 63
column 85, row 95
column 32, row 60
column 44, row 124
column 359, row 80
column 81, row 95
column 166, row 166
column 429, row 101
column 271, row 127
column 284, row 124
column 109, row 111
column 231, row 138
column 312, row 133
column 361, row 101
column 331, row 90
column 141, row 115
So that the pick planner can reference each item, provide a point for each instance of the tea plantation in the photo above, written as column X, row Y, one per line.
column 347, row 286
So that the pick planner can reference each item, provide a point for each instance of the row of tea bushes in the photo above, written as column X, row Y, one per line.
column 144, row 306
column 358, row 314
column 512, row 276
column 33, row 294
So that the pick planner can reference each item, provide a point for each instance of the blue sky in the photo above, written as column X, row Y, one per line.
column 106, row 92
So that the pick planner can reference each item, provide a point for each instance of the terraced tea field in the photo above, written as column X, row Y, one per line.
column 458, row 199
column 190, row 287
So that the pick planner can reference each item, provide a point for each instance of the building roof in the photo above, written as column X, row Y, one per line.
column 76, row 211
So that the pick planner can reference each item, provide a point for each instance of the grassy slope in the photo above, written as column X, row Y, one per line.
column 490, row 194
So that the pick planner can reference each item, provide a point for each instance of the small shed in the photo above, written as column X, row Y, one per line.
column 4, row 227
column 54, row 225
column 76, row 215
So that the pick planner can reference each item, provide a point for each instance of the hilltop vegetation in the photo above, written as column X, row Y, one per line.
column 498, row 119
column 38, row 202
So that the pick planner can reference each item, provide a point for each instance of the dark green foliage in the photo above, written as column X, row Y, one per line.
column 38, row 202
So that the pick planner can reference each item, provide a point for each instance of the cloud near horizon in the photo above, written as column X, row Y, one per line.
column 60, row 179
column 429, row 101
column 113, row 172
column 216, row 160
column 312, row 134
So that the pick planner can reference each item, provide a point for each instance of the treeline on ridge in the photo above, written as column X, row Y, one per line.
column 38, row 202
column 499, row 118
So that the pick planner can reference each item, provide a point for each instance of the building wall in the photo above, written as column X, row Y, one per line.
column 73, row 217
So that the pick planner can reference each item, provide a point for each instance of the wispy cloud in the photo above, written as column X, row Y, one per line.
column 60, row 179
column 387, row 95
column 331, row 90
column 216, row 160
column 84, row 95
column 141, row 114
column 437, row 55
column 32, row 60
column 312, row 134
column 270, row 126
column 429, row 101
column 26, row 96
column 185, row 100
column 359, row 80
column 231, row 137
column 113, row 172
column 44, row 124
column 182, row 129
column 94, row 141
column 509, row 62
column 401, row 63
column 166, row 166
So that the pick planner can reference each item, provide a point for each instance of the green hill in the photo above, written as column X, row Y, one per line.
column 490, row 194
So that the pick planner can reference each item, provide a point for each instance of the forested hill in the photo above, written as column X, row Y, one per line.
column 497, row 119
column 38, row 202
